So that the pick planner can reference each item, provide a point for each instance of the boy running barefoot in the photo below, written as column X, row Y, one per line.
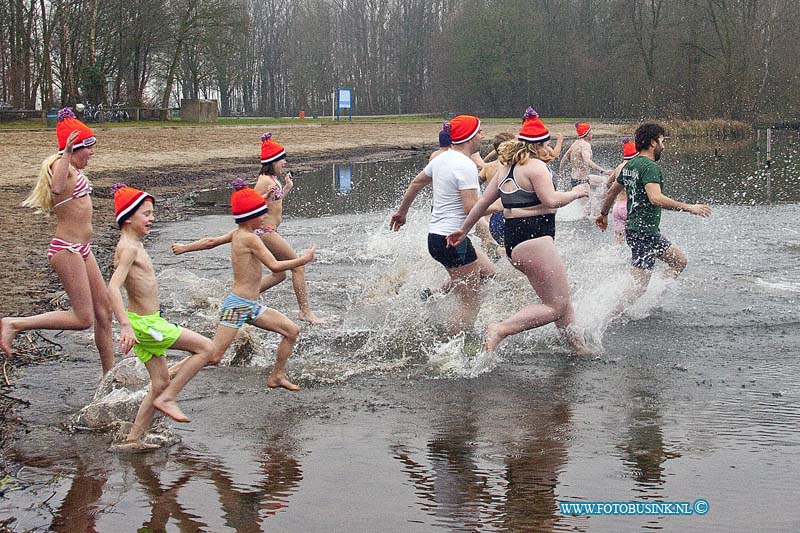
column 142, row 327
column 249, row 255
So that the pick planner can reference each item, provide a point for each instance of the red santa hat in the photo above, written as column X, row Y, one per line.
column 127, row 200
column 246, row 203
column 583, row 129
column 533, row 130
column 270, row 150
column 463, row 128
column 67, row 123
column 628, row 148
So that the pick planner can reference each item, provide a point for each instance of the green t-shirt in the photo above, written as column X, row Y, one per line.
column 642, row 215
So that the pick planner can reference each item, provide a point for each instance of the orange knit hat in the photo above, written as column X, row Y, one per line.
column 127, row 200
column 533, row 130
column 67, row 123
column 246, row 203
column 583, row 129
column 628, row 148
column 463, row 128
column 270, row 150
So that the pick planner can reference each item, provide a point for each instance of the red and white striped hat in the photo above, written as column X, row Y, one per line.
column 533, row 130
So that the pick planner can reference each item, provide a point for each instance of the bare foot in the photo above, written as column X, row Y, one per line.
column 493, row 337
column 171, row 409
column 274, row 383
column 577, row 342
column 310, row 317
column 7, row 334
column 132, row 446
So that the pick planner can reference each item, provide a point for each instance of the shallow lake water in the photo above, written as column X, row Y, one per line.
column 398, row 428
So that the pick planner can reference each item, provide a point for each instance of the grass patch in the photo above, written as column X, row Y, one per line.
column 715, row 128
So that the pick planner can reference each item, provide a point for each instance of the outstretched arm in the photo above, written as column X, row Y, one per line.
column 559, row 145
column 202, row 244
column 126, row 339
column 549, row 196
column 478, row 209
column 421, row 181
column 268, row 260
column 657, row 198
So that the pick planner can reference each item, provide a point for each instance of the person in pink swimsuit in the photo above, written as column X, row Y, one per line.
column 64, row 190
column 619, row 214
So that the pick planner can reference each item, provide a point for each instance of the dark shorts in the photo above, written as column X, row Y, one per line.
column 497, row 227
column 574, row 183
column 519, row 230
column 646, row 248
column 461, row 255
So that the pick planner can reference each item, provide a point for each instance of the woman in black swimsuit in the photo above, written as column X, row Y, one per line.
column 525, row 186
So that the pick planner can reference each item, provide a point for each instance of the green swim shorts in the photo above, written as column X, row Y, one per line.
column 155, row 335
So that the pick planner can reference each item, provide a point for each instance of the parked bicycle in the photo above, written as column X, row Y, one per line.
column 102, row 113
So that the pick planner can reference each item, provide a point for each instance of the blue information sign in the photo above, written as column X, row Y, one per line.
column 344, row 100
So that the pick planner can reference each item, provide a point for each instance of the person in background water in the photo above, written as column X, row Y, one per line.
column 643, row 181
column 579, row 154
column 619, row 213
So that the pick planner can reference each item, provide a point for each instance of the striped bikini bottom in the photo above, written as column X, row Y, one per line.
column 56, row 245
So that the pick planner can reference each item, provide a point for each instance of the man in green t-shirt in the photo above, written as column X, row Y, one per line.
column 643, row 181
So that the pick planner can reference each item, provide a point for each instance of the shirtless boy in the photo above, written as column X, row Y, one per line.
column 142, row 327
column 249, row 255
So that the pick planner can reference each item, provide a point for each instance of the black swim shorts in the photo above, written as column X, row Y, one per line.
column 461, row 255
column 646, row 248
column 519, row 230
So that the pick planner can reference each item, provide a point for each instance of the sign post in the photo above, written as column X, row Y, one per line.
column 344, row 100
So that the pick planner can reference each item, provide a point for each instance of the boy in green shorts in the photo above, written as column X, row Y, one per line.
column 249, row 255
column 142, row 327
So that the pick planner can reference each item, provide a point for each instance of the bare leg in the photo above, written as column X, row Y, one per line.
column 283, row 251
column 159, row 378
column 641, row 279
column 71, row 270
column 467, row 282
column 270, row 280
column 272, row 320
column 202, row 350
column 675, row 259
column 222, row 339
column 541, row 264
column 103, row 334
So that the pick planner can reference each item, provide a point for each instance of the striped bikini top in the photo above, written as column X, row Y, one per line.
column 83, row 187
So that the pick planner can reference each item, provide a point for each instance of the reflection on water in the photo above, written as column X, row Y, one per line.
column 180, row 490
column 508, row 483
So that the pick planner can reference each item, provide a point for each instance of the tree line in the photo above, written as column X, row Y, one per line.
column 599, row 58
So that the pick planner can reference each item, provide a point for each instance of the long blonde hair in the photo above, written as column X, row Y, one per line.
column 41, row 197
column 516, row 152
